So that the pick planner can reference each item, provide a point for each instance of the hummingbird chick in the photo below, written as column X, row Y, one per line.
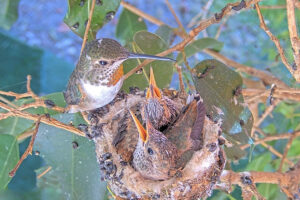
column 99, row 75
column 158, row 109
column 186, row 133
column 154, row 156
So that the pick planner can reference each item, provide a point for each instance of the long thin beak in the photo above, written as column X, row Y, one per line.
column 142, row 132
column 153, row 91
column 145, row 56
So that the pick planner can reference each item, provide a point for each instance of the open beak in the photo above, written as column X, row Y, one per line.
column 142, row 132
column 145, row 56
column 153, row 91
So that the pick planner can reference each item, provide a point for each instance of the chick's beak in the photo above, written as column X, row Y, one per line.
column 142, row 132
column 153, row 91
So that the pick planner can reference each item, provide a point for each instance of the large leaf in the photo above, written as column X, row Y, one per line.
column 49, row 73
column 73, row 160
column 9, row 156
column 198, row 45
column 149, row 43
column 8, row 13
column 78, row 13
column 128, row 24
column 166, row 33
column 218, row 86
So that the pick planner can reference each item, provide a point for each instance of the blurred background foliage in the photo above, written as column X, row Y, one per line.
column 37, row 37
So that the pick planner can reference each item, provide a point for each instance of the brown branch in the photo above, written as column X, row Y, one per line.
column 287, row 181
column 86, row 32
column 275, row 40
column 292, row 25
column 283, row 94
column 29, row 148
column 266, row 77
column 181, row 84
column 50, row 121
column 174, row 14
column 204, row 10
column 272, row 138
column 287, row 147
column 44, row 172
column 194, row 32
column 266, row 113
column 141, row 13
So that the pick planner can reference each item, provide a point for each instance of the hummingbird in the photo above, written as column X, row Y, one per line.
column 186, row 133
column 159, row 109
column 99, row 75
column 154, row 156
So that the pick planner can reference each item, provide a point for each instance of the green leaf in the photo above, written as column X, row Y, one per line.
column 8, row 13
column 73, row 160
column 128, row 24
column 78, row 12
column 166, row 33
column 9, row 156
column 216, row 84
column 270, row 191
column 260, row 162
column 152, row 44
column 199, row 45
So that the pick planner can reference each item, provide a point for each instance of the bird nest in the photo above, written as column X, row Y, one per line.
column 110, row 127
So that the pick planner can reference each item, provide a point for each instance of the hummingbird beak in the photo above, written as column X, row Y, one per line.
column 145, row 56
column 153, row 91
column 142, row 132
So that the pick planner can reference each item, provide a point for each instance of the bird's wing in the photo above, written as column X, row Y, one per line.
column 72, row 94
column 199, row 122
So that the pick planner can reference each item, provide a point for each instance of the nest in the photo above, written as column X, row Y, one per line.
column 110, row 124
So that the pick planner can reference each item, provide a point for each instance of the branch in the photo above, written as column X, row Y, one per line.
column 50, row 121
column 290, row 9
column 227, row 10
column 288, row 182
column 275, row 40
column 28, row 149
column 283, row 94
column 272, row 138
column 141, row 13
column 87, row 28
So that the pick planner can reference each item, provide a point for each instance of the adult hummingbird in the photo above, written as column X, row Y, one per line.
column 154, row 156
column 159, row 109
column 99, row 75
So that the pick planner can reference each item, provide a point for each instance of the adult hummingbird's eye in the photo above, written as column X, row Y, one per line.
column 150, row 151
column 103, row 62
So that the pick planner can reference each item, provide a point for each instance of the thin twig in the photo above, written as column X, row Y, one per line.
column 292, row 94
column 29, row 148
column 141, row 13
column 86, row 32
column 272, row 138
column 292, row 25
column 50, row 121
column 286, row 150
column 174, row 14
column 181, row 84
column 275, row 40
column 194, row 32
column 266, row 113
column 218, row 33
column 44, row 172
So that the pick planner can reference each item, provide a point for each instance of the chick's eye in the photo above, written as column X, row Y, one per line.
column 103, row 62
column 150, row 151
